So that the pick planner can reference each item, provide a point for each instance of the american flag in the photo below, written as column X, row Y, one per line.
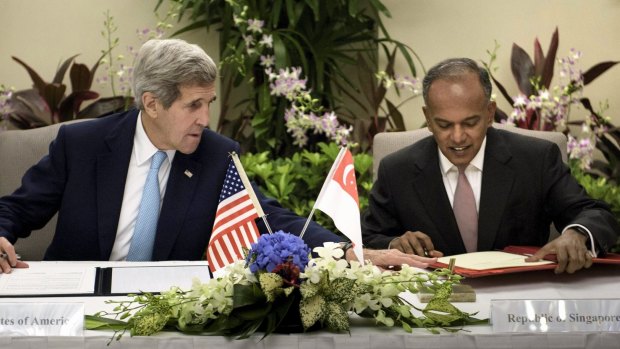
column 234, row 227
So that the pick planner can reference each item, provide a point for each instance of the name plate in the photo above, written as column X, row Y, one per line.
column 41, row 319
column 555, row 315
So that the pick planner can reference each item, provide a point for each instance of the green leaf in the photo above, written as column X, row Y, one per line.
column 252, row 312
column 273, row 190
column 92, row 322
column 291, row 12
column 314, row 6
column 223, row 325
column 336, row 317
column 381, row 8
column 271, row 284
column 341, row 290
column 280, row 311
column 250, row 328
column 309, row 289
column 311, row 310
column 244, row 295
column 275, row 13
column 353, row 7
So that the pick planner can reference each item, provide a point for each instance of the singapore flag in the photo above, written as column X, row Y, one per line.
column 339, row 200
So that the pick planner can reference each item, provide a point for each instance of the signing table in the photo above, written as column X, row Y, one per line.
column 599, row 282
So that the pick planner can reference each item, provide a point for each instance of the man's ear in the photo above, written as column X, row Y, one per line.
column 491, row 113
column 427, row 116
column 150, row 103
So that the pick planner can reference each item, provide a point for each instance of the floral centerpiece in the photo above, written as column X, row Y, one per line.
column 279, row 288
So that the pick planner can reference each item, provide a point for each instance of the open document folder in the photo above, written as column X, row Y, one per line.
column 100, row 278
column 510, row 260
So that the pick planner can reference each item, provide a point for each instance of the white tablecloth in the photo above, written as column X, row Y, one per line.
column 599, row 282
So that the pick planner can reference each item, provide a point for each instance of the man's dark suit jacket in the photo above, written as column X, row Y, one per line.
column 83, row 178
column 525, row 186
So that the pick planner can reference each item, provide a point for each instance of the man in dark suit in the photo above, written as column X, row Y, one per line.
column 518, row 185
column 95, row 173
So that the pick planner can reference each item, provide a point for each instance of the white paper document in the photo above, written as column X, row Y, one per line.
column 49, row 279
column 130, row 279
column 490, row 260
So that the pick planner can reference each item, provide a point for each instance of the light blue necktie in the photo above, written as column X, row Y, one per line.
column 141, row 248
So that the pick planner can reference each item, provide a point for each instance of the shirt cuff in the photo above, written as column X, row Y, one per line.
column 390, row 244
column 582, row 229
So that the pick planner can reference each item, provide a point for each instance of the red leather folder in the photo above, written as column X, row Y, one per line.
column 609, row 258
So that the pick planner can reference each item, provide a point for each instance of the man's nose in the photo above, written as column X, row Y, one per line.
column 458, row 134
column 203, row 118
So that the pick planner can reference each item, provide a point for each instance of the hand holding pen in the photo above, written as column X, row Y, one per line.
column 8, row 258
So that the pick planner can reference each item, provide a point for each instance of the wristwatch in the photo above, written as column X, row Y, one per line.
column 345, row 245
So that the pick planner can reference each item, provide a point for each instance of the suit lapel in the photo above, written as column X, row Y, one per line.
column 180, row 192
column 111, row 176
column 497, row 181
column 428, row 183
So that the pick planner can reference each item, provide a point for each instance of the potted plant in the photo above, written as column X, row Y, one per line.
column 49, row 103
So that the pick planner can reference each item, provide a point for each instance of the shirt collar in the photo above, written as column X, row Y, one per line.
column 143, row 146
column 477, row 162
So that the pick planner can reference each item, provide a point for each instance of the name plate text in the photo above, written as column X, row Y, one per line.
column 555, row 315
column 41, row 319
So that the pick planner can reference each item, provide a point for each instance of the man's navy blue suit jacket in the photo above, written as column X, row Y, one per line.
column 83, row 179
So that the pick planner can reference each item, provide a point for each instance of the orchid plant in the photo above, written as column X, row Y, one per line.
column 539, row 105
column 294, row 62
column 118, row 69
column 302, row 113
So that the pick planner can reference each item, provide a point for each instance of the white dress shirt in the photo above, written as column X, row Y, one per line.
column 473, row 172
column 139, row 165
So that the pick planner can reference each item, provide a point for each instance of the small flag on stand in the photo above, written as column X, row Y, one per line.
column 338, row 199
column 234, row 228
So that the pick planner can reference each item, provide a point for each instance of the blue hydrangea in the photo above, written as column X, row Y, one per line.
column 279, row 247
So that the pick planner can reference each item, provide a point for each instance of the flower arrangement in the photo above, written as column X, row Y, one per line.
column 278, row 288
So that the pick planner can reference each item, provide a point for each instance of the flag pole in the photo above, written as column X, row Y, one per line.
column 329, row 176
column 303, row 231
column 248, row 187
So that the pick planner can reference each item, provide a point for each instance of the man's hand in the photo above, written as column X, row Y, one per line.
column 8, row 258
column 570, row 249
column 387, row 259
column 415, row 243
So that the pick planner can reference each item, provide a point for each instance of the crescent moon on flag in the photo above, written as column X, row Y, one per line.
column 345, row 173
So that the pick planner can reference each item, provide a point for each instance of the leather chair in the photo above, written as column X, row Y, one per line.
column 388, row 142
column 19, row 150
